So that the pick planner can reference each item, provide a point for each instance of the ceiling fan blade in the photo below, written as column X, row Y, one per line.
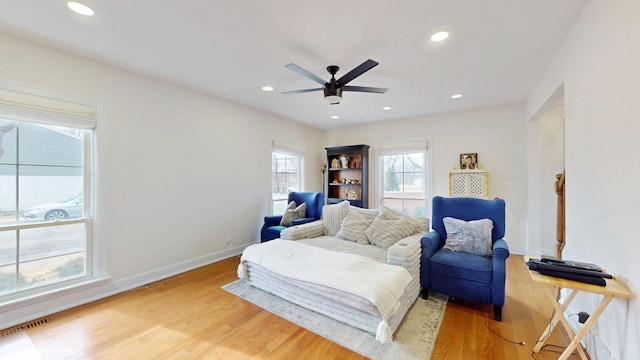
column 306, row 73
column 365, row 89
column 300, row 91
column 357, row 71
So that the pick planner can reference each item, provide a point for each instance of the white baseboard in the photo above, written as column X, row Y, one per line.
column 517, row 250
column 53, row 303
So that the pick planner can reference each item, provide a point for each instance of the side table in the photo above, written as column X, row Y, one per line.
column 608, row 292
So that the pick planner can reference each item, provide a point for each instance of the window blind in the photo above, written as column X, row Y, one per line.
column 287, row 148
column 402, row 148
column 30, row 104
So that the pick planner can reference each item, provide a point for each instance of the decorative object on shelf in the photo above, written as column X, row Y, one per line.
column 335, row 163
column 349, row 179
column 469, row 161
column 344, row 160
column 352, row 194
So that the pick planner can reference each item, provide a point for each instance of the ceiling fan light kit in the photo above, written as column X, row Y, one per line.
column 333, row 89
column 332, row 94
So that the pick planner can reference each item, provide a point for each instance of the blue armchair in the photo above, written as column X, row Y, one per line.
column 461, row 275
column 271, row 228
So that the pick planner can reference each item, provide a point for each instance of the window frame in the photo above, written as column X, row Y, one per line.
column 288, row 149
column 404, row 148
column 95, row 252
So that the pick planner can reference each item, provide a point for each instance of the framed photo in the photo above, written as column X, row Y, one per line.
column 469, row 161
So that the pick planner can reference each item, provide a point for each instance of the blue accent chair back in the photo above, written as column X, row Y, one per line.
column 314, row 200
column 461, row 275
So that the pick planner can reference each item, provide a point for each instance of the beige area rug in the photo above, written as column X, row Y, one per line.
column 18, row 346
column 414, row 339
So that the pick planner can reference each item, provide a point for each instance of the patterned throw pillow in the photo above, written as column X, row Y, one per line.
column 391, row 226
column 369, row 214
column 293, row 213
column 473, row 237
column 353, row 227
column 419, row 224
column 332, row 216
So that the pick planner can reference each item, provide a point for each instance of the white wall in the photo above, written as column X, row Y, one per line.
column 551, row 163
column 183, row 171
column 545, row 159
column 598, row 64
column 497, row 134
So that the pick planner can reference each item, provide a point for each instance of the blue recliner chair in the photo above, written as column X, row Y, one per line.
column 461, row 275
column 271, row 228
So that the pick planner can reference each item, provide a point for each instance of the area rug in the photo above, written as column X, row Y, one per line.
column 414, row 339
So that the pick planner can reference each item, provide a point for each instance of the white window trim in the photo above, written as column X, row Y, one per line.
column 291, row 149
column 25, row 103
column 404, row 147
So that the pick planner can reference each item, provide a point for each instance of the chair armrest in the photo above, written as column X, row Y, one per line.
column 500, row 254
column 406, row 253
column 501, row 250
column 302, row 221
column 272, row 220
column 304, row 231
column 430, row 242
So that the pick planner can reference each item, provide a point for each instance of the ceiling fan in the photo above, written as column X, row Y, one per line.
column 334, row 88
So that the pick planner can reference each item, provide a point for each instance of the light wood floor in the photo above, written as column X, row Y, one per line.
column 190, row 317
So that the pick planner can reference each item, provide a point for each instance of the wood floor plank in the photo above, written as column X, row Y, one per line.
column 190, row 316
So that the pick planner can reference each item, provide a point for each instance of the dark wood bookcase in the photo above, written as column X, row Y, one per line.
column 350, row 182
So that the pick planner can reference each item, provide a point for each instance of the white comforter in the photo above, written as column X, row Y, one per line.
column 380, row 283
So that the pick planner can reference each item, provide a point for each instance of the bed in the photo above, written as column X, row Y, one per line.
column 365, row 286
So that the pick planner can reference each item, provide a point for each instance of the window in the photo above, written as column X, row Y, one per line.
column 402, row 174
column 45, row 202
column 286, row 174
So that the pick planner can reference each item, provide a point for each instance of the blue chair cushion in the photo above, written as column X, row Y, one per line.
column 272, row 232
column 461, row 266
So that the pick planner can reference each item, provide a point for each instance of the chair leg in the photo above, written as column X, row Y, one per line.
column 425, row 293
column 497, row 312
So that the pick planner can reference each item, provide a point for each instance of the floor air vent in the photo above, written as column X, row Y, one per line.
column 29, row 325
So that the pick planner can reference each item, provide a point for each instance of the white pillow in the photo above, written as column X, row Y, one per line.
column 353, row 227
column 292, row 212
column 390, row 226
column 473, row 237
column 419, row 224
column 332, row 216
column 369, row 214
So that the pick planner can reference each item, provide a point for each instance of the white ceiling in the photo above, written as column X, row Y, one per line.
column 496, row 52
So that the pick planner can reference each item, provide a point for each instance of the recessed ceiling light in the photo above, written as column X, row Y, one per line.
column 267, row 88
column 335, row 117
column 439, row 36
column 386, row 108
column 456, row 96
column 80, row 8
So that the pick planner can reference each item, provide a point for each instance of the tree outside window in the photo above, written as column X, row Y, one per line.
column 285, row 177
column 404, row 183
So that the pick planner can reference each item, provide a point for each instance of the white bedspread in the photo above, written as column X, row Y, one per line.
column 380, row 283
